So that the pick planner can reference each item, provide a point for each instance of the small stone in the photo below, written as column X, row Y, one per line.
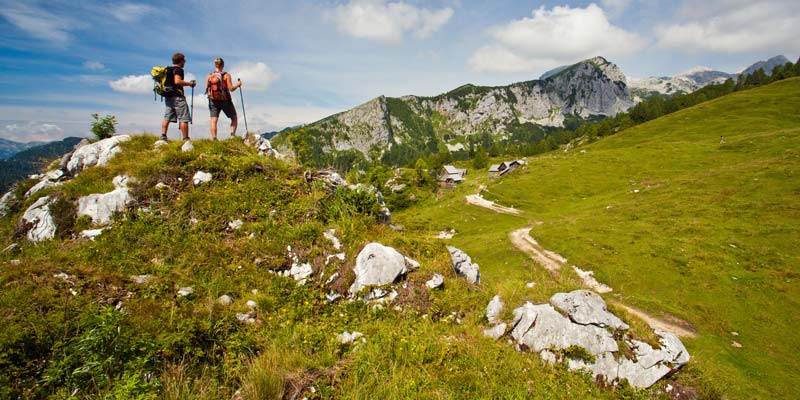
column 435, row 282
column 736, row 344
column 530, row 285
column 396, row 228
column 332, row 296
column 254, row 291
column 187, row 146
column 161, row 186
column 251, row 304
column 141, row 279
column 185, row 291
column 61, row 275
column 201, row 177
column 494, row 309
column 225, row 300
column 15, row 262
column 735, row 333
column 91, row 234
column 159, row 143
column 347, row 337
column 248, row 318
column 10, row 249
column 330, row 234
column 235, row 224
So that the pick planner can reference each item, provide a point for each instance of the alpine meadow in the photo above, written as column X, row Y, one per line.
column 398, row 199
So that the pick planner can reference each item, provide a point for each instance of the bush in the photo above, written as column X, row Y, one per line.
column 104, row 127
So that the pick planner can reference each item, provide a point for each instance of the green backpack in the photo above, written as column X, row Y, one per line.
column 163, row 81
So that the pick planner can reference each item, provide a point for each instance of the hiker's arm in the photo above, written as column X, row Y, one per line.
column 180, row 82
column 230, row 84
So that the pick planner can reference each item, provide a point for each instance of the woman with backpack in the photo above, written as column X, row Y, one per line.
column 218, row 89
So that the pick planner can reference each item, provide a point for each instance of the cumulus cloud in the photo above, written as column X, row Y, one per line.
column 254, row 75
column 131, row 12
column 37, row 22
column 94, row 65
column 31, row 131
column 551, row 38
column 140, row 84
column 734, row 26
column 387, row 22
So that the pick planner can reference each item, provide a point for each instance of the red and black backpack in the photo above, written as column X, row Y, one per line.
column 217, row 89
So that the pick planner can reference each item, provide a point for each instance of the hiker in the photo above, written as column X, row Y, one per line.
column 218, row 89
column 177, row 110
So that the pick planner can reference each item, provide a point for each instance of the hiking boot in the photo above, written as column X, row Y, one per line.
column 233, row 134
column 186, row 139
column 164, row 138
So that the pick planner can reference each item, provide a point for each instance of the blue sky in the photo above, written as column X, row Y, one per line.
column 302, row 60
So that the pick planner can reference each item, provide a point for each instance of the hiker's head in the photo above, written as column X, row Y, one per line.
column 219, row 64
column 178, row 59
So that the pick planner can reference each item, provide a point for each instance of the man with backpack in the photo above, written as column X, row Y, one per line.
column 218, row 89
column 177, row 110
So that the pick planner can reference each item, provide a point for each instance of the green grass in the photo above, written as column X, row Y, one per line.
column 676, row 222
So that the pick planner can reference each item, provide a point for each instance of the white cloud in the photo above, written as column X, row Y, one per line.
column 32, row 131
column 726, row 26
column 387, row 22
column 94, row 65
column 255, row 76
column 38, row 22
column 131, row 12
column 551, row 38
column 134, row 84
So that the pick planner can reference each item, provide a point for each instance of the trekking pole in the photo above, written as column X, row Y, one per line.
column 241, row 95
column 191, row 108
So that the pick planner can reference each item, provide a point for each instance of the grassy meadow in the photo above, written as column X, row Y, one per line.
column 695, row 215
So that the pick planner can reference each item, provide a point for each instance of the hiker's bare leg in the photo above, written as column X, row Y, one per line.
column 185, row 130
column 234, row 124
column 214, row 127
column 164, row 126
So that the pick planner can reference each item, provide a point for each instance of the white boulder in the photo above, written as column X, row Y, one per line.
column 50, row 179
column 378, row 265
column 95, row 154
column 41, row 224
column 187, row 146
column 495, row 332
column 494, row 309
column 586, row 307
column 201, row 177
column 435, row 282
column 463, row 266
column 541, row 327
column 101, row 207
column 225, row 300
column 5, row 201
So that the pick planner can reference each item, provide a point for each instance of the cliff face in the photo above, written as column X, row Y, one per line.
column 589, row 88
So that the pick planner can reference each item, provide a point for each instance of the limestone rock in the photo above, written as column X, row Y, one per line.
column 301, row 272
column 463, row 266
column 541, row 327
column 50, row 179
column 378, row 265
column 91, row 234
column 101, row 207
column 185, row 291
column 5, row 201
column 141, row 279
column 201, row 177
column 495, row 332
column 159, row 143
column 95, row 154
column 347, row 337
column 10, row 249
column 225, row 300
column 235, row 224
column 330, row 234
column 586, row 307
column 187, row 146
column 248, row 318
column 40, row 223
column 435, row 282
column 494, row 309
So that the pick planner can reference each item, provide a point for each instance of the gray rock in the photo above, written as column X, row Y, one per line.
column 101, row 207
column 161, row 186
column 201, row 177
column 95, row 154
column 187, row 146
column 5, row 201
column 159, row 143
column 141, row 279
column 548, row 356
column 541, row 327
column 378, row 265
column 235, row 224
column 41, row 224
column 586, row 307
column 262, row 144
column 496, row 332
column 11, row 249
column 251, row 304
column 494, row 309
column 347, row 337
column 225, row 300
column 463, row 266
column 330, row 234
column 435, row 282
column 91, row 234
column 48, row 180
column 185, row 291
column 248, row 318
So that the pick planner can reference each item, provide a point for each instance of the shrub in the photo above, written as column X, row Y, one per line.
column 104, row 127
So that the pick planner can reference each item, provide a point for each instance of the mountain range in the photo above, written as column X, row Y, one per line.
column 9, row 147
column 410, row 126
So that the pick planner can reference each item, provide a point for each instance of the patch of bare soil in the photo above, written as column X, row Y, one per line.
column 478, row 200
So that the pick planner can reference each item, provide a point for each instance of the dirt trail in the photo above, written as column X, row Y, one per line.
column 553, row 262
column 478, row 200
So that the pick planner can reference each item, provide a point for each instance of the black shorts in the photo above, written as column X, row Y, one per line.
column 225, row 106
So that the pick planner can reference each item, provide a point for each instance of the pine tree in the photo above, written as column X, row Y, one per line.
column 481, row 160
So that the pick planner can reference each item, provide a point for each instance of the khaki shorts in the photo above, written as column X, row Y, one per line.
column 177, row 109
column 225, row 106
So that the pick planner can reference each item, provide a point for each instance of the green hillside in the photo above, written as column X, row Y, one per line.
column 694, row 215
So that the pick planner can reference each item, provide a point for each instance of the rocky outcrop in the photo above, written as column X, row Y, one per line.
column 37, row 221
column 541, row 329
column 5, row 201
column 262, row 144
column 463, row 266
column 50, row 179
column 101, row 207
column 378, row 265
column 95, row 154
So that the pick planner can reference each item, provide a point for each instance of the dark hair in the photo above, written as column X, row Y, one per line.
column 177, row 58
